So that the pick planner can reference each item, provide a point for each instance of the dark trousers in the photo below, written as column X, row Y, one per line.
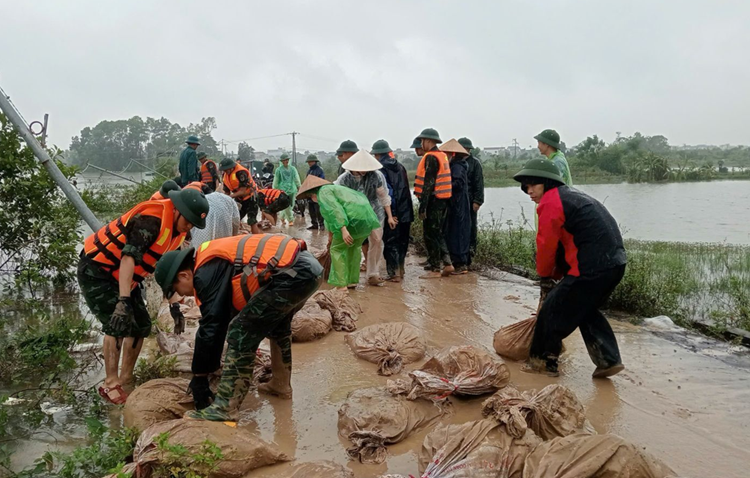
column 396, row 243
column 249, row 208
column 473, row 241
column 434, row 239
column 315, row 216
column 574, row 303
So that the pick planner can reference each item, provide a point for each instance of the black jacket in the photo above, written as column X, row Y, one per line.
column 401, row 203
column 476, row 180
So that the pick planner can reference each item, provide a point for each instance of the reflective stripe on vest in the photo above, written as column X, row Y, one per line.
column 270, row 195
column 442, row 182
column 206, row 176
column 255, row 258
column 105, row 246
column 231, row 181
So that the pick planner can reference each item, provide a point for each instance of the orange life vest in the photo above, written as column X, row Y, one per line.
column 157, row 196
column 255, row 257
column 197, row 185
column 270, row 195
column 442, row 182
column 105, row 246
column 207, row 177
column 231, row 181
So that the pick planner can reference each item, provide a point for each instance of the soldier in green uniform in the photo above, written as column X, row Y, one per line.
column 345, row 151
column 476, row 191
column 548, row 142
column 189, row 168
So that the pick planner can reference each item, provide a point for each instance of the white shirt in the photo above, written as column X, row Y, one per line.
column 222, row 220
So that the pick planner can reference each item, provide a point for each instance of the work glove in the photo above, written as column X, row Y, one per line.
column 179, row 319
column 202, row 394
column 122, row 320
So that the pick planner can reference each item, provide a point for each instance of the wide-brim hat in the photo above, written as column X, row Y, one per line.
column 466, row 143
column 226, row 164
column 192, row 204
column 362, row 161
column 309, row 185
column 430, row 133
column 453, row 146
column 381, row 146
column 550, row 137
column 539, row 168
column 193, row 140
column 347, row 146
column 168, row 267
column 417, row 143
column 202, row 154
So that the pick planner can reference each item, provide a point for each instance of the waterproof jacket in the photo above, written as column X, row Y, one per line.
column 373, row 186
column 316, row 170
column 287, row 179
column 577, row 236
column 189, row 166
column 341, row 206
column 458, row 222
column 398, row 181
column 476, row 180
column 558, row 158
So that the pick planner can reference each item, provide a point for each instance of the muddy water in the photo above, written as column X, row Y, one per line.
column 682, row 398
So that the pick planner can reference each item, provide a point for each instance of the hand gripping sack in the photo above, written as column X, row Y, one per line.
column 156, row 401
column 390, row 345
column 464, row 370
column 311, row 323
column 553, row 412
column 514, row 341
column 372, row 418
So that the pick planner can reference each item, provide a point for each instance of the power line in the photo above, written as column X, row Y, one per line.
column 259, row 137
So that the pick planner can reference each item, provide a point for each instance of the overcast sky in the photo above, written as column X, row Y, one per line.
column 490, row 70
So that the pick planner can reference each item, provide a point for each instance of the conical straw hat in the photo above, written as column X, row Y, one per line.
column 311, row 182
column 362, row 161
column 453, row 146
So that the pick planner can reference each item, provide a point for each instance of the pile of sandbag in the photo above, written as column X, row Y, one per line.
column 321, row 469
column 372, row 418
column 342, row 307
column 157, row 401
column 514, row 341
column 390, row 345
column 241, row 451
column 459, row 370
column 592, row 456
column 478, row 449
column 553, row 412
column 311, row 323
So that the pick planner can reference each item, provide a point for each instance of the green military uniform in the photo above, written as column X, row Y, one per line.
column 435, row 211
column 190, row 169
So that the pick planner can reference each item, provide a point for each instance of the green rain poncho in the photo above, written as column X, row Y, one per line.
column 287, row 179
column 341, row 206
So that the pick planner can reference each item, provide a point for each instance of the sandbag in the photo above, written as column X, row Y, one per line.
column 241, row 451
column 476, row 449
column 592, row 456
column 342, row 307
column 514, row 341
column 157, row 401
column 311, row 323
column 321, row 469
column 324, row 257
column 372, row 418
column 553, row 412
column 390, row 345
column 459, row 370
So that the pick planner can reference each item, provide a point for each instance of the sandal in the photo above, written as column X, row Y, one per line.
column 120, row 396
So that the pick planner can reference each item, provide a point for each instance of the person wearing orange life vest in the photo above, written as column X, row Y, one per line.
column 249, row 288
column 115, row 260
column 209, row 171
column 163, row 192
column 432, row 187
column 271, row 202
column 240, row 185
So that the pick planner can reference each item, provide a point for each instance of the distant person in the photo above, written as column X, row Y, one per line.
column 578, row 243
column 548, row 142
column 476, row 191
column 416, row 145
column 287, row 179
column 345, row 151
column 240, row 186
column 209, row 171
column 267, row 167
column 189, row 169
column 316, row 219
column 458, row 219
column 163, row 192
column 432, row 187
column 363, row 175
column 223, row 219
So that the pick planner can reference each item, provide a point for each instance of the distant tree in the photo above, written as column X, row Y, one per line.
column 245, row 152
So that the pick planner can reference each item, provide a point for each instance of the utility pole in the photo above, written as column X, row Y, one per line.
column 294, row 147
column 41, row 154
column 515, row 148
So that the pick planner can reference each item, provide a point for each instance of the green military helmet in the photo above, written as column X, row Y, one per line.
column 168, row 185
column 284, row 157
column 417, row 143
column 381, row 146
column 226, row 164
column 192, row 139
column 347, row 146
column 192, row 204
column 430, row 133
column 550, row 137
column 201, row 155
column 466, row 143
column 312, row 158
column 539, row 168
column 168, row 266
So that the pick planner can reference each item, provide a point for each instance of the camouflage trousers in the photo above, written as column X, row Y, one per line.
column 269, row 314
column 434, row 233
column 249, row 208
column 101, row 292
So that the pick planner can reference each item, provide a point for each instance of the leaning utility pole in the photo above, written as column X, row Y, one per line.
column 41, row 154
column 515, row 148
column 294, row 147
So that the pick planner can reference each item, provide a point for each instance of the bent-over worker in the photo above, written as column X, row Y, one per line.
column 240, row 186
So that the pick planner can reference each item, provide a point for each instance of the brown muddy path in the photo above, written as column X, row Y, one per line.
column 682, row 398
